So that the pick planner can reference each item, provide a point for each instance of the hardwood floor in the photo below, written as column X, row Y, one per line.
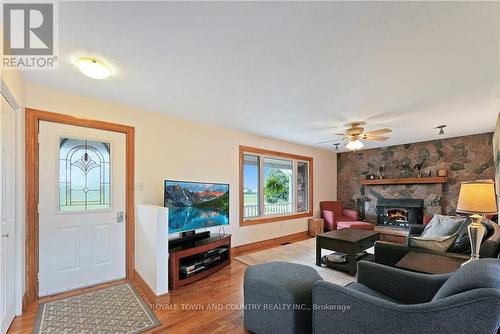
column 206, row 306
column 209, row 306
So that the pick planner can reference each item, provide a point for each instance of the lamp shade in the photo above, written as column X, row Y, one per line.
column 477, row 197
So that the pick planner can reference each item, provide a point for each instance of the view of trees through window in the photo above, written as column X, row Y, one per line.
column 277, row 186
column 273, row 186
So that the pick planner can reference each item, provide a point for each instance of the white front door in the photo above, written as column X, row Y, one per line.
column 7, row 214
column 82, row 207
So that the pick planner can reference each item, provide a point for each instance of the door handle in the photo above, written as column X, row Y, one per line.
column 5, row 235
column 120, row 217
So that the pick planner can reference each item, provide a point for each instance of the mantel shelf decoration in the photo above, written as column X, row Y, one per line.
column 406, row 180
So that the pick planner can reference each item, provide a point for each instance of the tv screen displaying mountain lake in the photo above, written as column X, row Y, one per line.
column 194, row 205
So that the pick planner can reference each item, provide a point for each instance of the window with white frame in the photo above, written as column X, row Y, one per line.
column 274, row 184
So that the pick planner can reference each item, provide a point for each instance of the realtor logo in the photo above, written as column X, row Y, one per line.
column 29, row 35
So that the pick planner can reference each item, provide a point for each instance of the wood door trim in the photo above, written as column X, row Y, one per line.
column 32, row 119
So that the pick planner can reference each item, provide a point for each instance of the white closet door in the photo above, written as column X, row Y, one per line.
column 7, row 214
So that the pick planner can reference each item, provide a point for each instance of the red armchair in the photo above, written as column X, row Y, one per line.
column 332, row 212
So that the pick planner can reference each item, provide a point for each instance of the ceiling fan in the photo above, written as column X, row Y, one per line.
column 355, row 133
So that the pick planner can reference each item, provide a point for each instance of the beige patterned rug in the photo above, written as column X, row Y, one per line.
column 117, row 309
column 302, row 252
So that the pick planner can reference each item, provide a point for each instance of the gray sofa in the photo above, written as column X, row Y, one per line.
column 389, row 300
column 389, row 253
column 383, row 300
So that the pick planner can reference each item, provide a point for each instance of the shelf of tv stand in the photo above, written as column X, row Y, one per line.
column 199, row 247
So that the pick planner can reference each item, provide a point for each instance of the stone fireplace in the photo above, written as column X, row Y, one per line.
column 464, row 158
column 399, row 212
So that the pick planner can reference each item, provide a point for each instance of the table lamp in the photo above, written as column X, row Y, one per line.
column 477, row 198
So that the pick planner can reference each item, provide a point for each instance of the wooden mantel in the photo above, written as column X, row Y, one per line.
column 406, row 180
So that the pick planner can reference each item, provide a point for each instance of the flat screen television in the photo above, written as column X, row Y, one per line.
column 195, row 205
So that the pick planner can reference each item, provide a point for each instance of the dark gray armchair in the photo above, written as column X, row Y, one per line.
column 389, row 300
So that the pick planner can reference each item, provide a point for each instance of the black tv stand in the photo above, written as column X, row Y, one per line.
column 188, row 239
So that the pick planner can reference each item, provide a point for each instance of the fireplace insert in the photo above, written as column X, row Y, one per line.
column 400, row 212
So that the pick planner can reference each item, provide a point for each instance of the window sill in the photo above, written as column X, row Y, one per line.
column 270, row 219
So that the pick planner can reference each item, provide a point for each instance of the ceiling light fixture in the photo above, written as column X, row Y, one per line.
column 336, row 146
column 441, row 129
column 354, row 145
column 93, row 68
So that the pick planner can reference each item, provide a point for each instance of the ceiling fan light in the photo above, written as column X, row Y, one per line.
column 354, row 145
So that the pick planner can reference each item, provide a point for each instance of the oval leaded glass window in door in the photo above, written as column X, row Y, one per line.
column 84, row 175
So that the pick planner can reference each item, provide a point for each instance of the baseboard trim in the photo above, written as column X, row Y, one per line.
column 269, row 243
column 150, row 295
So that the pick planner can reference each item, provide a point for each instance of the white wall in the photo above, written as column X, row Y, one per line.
column 151, row 246
column 172, row 148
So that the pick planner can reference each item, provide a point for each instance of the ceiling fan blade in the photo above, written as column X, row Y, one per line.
column 327, row 141
column 375, row 138
column 378, row 132
column 339, row 134
column 339, row 141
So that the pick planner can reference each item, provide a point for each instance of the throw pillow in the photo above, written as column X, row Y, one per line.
column 441, row 226
column 462, row 242
column 438, row 244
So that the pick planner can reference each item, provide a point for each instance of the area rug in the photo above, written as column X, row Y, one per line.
column 302, row 252
column 117, row 309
